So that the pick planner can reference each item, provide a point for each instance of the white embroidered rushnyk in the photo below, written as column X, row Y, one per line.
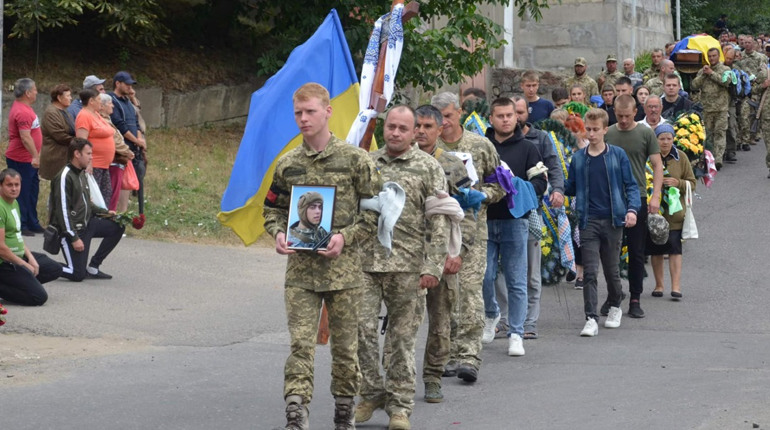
column 371, row 59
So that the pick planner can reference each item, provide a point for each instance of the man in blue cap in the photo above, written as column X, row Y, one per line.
column 125, row 118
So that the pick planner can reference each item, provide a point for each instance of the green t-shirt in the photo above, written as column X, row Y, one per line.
column 639, row 143
column 10, row 220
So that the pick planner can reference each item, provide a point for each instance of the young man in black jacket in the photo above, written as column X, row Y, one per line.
column 78, row 219
column 508, row 235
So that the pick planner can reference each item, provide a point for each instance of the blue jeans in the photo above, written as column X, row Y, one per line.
column 30, row 188
column 507, row 245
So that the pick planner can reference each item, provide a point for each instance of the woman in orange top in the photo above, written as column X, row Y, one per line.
column 90, row 125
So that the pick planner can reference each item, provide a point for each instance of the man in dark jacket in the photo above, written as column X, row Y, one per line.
column 78, row 219
column 544, row 146
column 508, row 235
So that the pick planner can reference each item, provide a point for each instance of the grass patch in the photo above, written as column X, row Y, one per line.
column 187, row 174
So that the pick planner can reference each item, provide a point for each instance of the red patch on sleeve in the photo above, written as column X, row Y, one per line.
column 271, row 196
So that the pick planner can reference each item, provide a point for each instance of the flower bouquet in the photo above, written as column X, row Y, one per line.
column 125, row 218
column 2, row 312
column 551, row 270
column 690, row 137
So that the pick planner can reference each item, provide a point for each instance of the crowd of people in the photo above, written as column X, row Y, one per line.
column 481, row 204
column 83, row 147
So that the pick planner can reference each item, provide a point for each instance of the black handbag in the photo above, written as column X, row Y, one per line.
column 51, row 240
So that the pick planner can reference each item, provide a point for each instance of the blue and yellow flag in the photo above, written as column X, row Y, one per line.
column 271, row 130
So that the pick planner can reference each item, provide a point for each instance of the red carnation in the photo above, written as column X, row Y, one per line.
column 3, row 311
column 138, row 222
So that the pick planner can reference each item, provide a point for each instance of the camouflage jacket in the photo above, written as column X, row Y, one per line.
column 457, row 177
column 714, row 95
column 585, row 81
column 757, row 91
column 355, row 176
column 752, row 63
column 652, row 72
column 420, row 175
column 655, row 85
column 609, row 78
column 485, row 161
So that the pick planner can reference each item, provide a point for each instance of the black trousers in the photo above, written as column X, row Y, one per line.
column 636, row 239
column 20, row 286
column 75, row 262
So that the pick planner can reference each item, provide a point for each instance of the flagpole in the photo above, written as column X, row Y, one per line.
column 377, row 101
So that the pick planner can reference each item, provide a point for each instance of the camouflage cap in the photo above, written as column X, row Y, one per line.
column 580, row 61
column 658, row 227
column 304, row 203
column 612, row 57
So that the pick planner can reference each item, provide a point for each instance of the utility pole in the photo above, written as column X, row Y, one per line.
column 2, row 42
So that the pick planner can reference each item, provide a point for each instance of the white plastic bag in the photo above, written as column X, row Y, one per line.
column 689, row 229
column 96, row 193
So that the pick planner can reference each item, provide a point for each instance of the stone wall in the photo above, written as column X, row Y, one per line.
column 580, row 28
column 173, row 110
column 505, row 83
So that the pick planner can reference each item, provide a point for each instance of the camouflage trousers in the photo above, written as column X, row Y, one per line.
column 440, row 303
column 716, row 126
column 747, row 115
column 468, row 317
column 405, row 303
column 731, row 139
column 766, row 132
column 302, row 311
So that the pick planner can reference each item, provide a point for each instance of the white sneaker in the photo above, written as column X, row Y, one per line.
column 590, row 329
column 489, row 329
column 515, row 346
column 613, row 318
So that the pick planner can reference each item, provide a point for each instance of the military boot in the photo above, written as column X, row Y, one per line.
column 344, row 413
column 433, row 392
column 399, row 421
column 366, row 409
column 296, row 414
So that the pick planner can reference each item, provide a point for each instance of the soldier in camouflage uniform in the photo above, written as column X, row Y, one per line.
column 758, row 88
column 610, row 75
column 715, row 98
column 581, row 78
column 332, row 276
column 654, row 70
column 441, row 300
column 753, row 63
column 400, row 278
column 468, row 319
column 656, row 84
column 731, row 138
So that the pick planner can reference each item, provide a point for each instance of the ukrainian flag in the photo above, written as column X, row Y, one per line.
column 271, row 130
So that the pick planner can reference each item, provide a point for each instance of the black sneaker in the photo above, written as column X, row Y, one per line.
column 635, row 309
column 450, row 370
column 730, row 157
column 98, row 275
column 467, row 373
column 746, row 147
column 29, row 233
column 571, row 276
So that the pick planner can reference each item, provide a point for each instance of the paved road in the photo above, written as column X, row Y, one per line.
column 193, row 337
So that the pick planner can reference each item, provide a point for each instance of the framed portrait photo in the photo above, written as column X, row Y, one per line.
column 311, row 212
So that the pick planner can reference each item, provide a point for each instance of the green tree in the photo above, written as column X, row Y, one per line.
column 699, row 16
column 127, row 20
column 432, row 55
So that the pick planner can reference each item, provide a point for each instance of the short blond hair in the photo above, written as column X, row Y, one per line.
column 596, row 114
column 530, row 76
column 312, row 90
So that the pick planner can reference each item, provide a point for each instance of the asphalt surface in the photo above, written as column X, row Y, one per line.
column 194, row 337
